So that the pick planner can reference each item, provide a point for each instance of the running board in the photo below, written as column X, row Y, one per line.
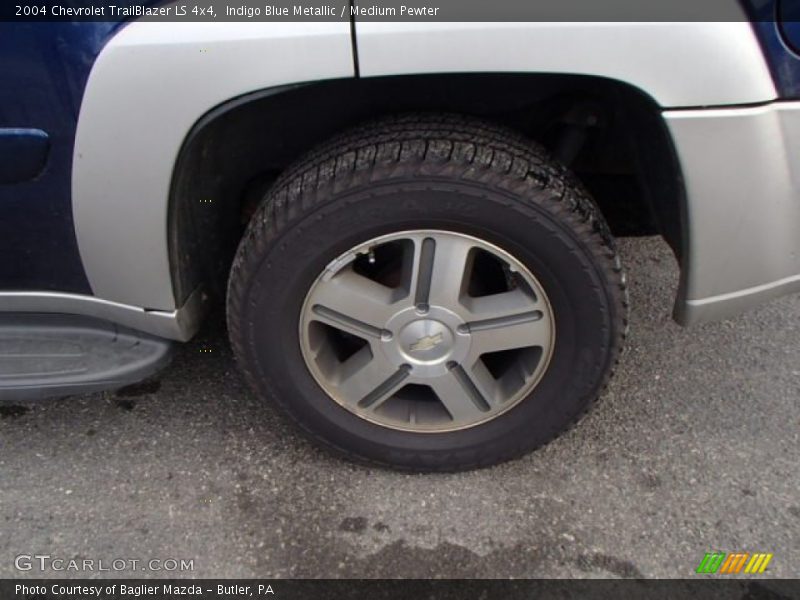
column 44, row 355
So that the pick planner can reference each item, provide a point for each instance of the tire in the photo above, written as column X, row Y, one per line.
column 533, row 233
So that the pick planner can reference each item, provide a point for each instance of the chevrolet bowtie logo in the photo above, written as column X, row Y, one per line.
column 426, row 343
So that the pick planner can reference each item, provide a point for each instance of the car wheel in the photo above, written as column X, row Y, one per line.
column 428, row 293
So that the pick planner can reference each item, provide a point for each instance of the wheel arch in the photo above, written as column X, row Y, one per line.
column 236, row 150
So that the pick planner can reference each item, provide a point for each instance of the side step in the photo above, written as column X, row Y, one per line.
column 43, row 355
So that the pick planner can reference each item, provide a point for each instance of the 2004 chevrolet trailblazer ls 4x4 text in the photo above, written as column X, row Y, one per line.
column 411, row 223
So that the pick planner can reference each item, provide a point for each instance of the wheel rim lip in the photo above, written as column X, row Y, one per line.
column 345, row 258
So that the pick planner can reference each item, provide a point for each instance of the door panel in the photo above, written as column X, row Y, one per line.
column 43, row 68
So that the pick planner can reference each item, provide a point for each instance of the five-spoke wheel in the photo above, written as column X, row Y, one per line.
column 426, row 331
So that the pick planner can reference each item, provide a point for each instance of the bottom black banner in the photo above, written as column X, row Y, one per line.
column 211, row 589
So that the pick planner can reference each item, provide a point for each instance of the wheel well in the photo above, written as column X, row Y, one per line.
column 608, row 132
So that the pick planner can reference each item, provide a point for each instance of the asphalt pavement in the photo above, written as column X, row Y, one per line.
column 695, row 447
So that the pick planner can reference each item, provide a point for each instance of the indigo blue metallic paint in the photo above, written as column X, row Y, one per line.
column 789, row 18
column 43, row 71
column 779, row 40
column 44, row 67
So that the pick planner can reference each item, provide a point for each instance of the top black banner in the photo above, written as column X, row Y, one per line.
column 411, row 11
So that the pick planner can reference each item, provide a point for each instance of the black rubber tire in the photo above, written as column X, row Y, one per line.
column 438, row 172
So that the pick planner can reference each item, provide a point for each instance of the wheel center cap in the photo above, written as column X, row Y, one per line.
column 426, row 341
